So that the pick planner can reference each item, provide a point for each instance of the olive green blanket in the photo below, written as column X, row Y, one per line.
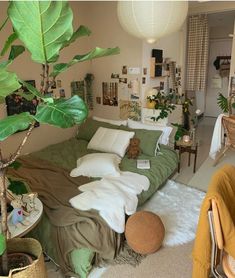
column 64, row 155
column 70, row 227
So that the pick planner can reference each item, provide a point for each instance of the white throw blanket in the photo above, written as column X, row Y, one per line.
column 217, row 137
column 113, row 197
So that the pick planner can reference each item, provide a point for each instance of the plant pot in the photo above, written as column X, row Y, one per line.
column 151, row 105
column 32, row 247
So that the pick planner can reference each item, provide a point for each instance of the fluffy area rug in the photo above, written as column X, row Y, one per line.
column 178, row 206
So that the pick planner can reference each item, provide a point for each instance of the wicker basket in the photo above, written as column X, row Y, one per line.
column 30, row 246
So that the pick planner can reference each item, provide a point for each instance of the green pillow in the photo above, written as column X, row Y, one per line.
column 89, row 127
column 148, row 139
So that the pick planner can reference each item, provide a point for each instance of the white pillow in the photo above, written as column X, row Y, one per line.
column 166, row 130
column 111, row 140
column 97, row 165
column 113, row 122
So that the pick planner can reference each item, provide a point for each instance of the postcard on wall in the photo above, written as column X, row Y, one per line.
column 130, row 109
column 134, row 89
column 124, row 69
column 110, row 93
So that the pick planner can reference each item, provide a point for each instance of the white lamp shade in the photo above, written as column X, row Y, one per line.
column 151, row 20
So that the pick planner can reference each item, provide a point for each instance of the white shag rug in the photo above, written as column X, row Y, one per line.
column 178, row 206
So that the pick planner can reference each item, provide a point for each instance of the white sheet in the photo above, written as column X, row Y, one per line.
column 113, row 197
column 217, row 137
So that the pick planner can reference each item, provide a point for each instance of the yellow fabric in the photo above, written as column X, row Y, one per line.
column 222, row 189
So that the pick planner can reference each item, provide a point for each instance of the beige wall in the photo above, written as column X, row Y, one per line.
column 108, row 33
column 26, row 69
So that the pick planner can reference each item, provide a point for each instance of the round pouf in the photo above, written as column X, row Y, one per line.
column 144, row 232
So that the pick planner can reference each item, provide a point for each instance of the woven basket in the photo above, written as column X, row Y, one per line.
column 30, row 246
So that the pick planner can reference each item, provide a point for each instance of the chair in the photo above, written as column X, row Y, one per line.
column 219, row 258
column 229, row 129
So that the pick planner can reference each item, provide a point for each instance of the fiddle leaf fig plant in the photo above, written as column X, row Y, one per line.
column 44, row 28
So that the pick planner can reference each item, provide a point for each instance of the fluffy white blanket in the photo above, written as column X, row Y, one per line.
column 113, row 197
column 217, row 137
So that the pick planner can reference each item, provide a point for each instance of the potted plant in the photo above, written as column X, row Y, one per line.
column 44, row 28
column 163, row 103
column 226, row 103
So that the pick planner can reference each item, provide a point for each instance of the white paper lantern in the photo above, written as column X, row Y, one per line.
column 151, row 20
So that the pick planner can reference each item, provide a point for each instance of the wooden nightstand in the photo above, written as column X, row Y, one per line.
column 33, row 218
column 189, row 147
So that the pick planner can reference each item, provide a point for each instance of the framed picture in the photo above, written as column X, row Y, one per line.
column 16, row 102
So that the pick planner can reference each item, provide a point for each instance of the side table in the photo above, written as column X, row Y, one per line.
column 33, row 218
column 189, row 147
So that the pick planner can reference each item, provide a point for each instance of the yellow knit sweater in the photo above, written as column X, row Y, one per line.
column 222, row 190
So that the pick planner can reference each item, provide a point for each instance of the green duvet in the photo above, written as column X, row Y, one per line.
column 65, row 154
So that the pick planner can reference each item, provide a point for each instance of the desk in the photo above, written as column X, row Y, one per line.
column 189, row 148
column 33, row 218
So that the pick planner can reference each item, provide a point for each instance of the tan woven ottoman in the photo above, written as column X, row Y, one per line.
column 144, row 232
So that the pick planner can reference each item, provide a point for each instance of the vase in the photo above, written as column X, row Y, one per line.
column 151, row 104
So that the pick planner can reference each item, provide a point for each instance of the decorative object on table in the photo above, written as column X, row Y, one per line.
column 17, row 215
column 186, row 138
column 144, row 232
column 89, row 91
column 161, row 21
column 133, row 150
column 44, row 49
column 28, row 200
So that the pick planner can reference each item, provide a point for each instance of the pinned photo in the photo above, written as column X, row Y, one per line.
column 123, row 80
column 62, row 93
column 114, row 75
column 124, row 70
column 143, row 80
column 144, row 71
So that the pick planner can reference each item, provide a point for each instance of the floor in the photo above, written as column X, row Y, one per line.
column 203, row 136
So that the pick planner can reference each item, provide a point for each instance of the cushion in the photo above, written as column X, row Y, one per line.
column 111, row 141
column 144, row 232
column 97, row 165
column 166, row 130
column 89, row 128
column 113, row 122
column 149, row 139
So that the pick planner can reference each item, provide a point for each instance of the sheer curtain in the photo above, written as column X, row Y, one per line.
column 197, row 53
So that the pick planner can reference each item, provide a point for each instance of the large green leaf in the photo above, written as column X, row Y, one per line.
column 8, row 81
column 35, row 92
column 16, row 50
column 11, row 124
column 82, row 31
column 95, row 53
column 43, row 27
column 63, row 113
column 8, row 43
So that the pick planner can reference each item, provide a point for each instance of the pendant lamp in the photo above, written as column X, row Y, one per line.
column 151, row 20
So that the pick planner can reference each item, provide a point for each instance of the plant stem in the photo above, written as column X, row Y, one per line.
column 4, row 218
column 18, row 151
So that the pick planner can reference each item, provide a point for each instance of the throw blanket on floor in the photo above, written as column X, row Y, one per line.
column 72, row 228
column 217, row 137
column 123, row 190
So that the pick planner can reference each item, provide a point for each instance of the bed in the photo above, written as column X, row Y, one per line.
column 60, row 159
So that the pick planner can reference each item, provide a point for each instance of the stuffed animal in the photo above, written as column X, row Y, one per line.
column 17, row 215
column 133, row 149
